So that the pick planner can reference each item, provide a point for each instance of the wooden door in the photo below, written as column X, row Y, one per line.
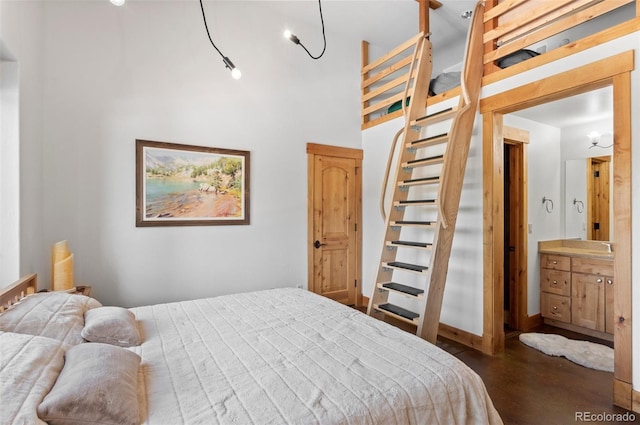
column 515, row 231
column 334, row 214
column 598, row 198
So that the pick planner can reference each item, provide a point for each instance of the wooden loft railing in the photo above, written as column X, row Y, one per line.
column 510, row 25
column 383, row 82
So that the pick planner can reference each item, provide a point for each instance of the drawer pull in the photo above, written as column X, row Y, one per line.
column 598, row 280
column 555, row 282
column 609, row 282
column 555, row 307
column 554, row 262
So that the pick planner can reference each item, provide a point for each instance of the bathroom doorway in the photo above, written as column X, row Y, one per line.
column 614, row 72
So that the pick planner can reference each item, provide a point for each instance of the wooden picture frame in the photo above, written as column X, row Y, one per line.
column 185, row 185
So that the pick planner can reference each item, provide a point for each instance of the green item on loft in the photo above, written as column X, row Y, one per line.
column 397, row 105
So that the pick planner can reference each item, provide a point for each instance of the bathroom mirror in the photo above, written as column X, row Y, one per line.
column 587, row 198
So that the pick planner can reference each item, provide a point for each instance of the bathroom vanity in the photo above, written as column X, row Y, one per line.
column 576, row 286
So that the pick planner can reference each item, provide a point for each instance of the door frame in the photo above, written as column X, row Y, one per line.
column 314, row 149
column 614, row 71
column 518, row 140
column 590, row 194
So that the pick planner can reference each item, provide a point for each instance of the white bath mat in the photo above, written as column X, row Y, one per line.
column 585, row 353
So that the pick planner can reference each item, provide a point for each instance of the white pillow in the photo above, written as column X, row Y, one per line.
column 56, row 315
column 97, row 385
column 111, row 325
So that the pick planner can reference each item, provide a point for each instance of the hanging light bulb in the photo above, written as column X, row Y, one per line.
column 235, row 72
column 289, row 35
column 117, row 2
column 295, row 40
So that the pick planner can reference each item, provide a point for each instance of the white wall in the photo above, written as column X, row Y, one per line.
column 9, row 172
column 21, row 34
column 544, row 179
column 147, row 71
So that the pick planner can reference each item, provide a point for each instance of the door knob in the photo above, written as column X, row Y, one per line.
column 317, row 244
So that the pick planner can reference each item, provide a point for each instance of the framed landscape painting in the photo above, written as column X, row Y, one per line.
column 184, row 185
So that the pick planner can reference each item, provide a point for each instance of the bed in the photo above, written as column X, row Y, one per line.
column 279, row 356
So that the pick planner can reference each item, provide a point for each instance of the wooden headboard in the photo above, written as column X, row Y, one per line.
column 17, row 291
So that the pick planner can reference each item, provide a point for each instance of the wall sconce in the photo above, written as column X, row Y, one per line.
column 235, row 72
column 594, row 138
column 295, row 40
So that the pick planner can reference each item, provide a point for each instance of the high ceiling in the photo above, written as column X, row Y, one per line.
column 386, row 24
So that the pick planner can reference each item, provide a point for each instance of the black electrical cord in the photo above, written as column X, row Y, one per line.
column 324, row 37
column 235, row 72
column 296, row 40
column 204, row 18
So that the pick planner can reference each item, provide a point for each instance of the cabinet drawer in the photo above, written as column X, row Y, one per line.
column 555, row 307
column 592, row 266
column 555, row 281
column 555, row 262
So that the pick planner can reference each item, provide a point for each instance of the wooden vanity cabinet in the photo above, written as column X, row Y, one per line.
column 555, row 287
column 591, row 287
column 577, row 291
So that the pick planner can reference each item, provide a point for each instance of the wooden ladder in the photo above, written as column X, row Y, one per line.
column 419, row 226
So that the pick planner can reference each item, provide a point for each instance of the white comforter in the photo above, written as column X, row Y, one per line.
column 29, row 366
column 287, row 356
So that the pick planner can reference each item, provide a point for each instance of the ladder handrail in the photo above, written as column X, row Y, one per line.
column 385, row 181
column 417, row 47
column 475, row 31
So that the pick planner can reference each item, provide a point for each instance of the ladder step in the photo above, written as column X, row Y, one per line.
column 421, row 181
column 406, row 266
column 428, row 141
column 432, row 160
column 405, row 289
column 398, row 312
column 415, row 202
column 413, row 223
column 409, row 244
column 443, row 115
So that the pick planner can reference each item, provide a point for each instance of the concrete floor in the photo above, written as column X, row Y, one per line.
column 529, row 387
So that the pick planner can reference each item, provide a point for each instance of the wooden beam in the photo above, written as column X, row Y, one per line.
column 433, row 4
column 560, row 85
column 423, row 13
column 489, row 25
column 423, row 16
column 365, row 61
column 622, row 225
column 493, row 217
